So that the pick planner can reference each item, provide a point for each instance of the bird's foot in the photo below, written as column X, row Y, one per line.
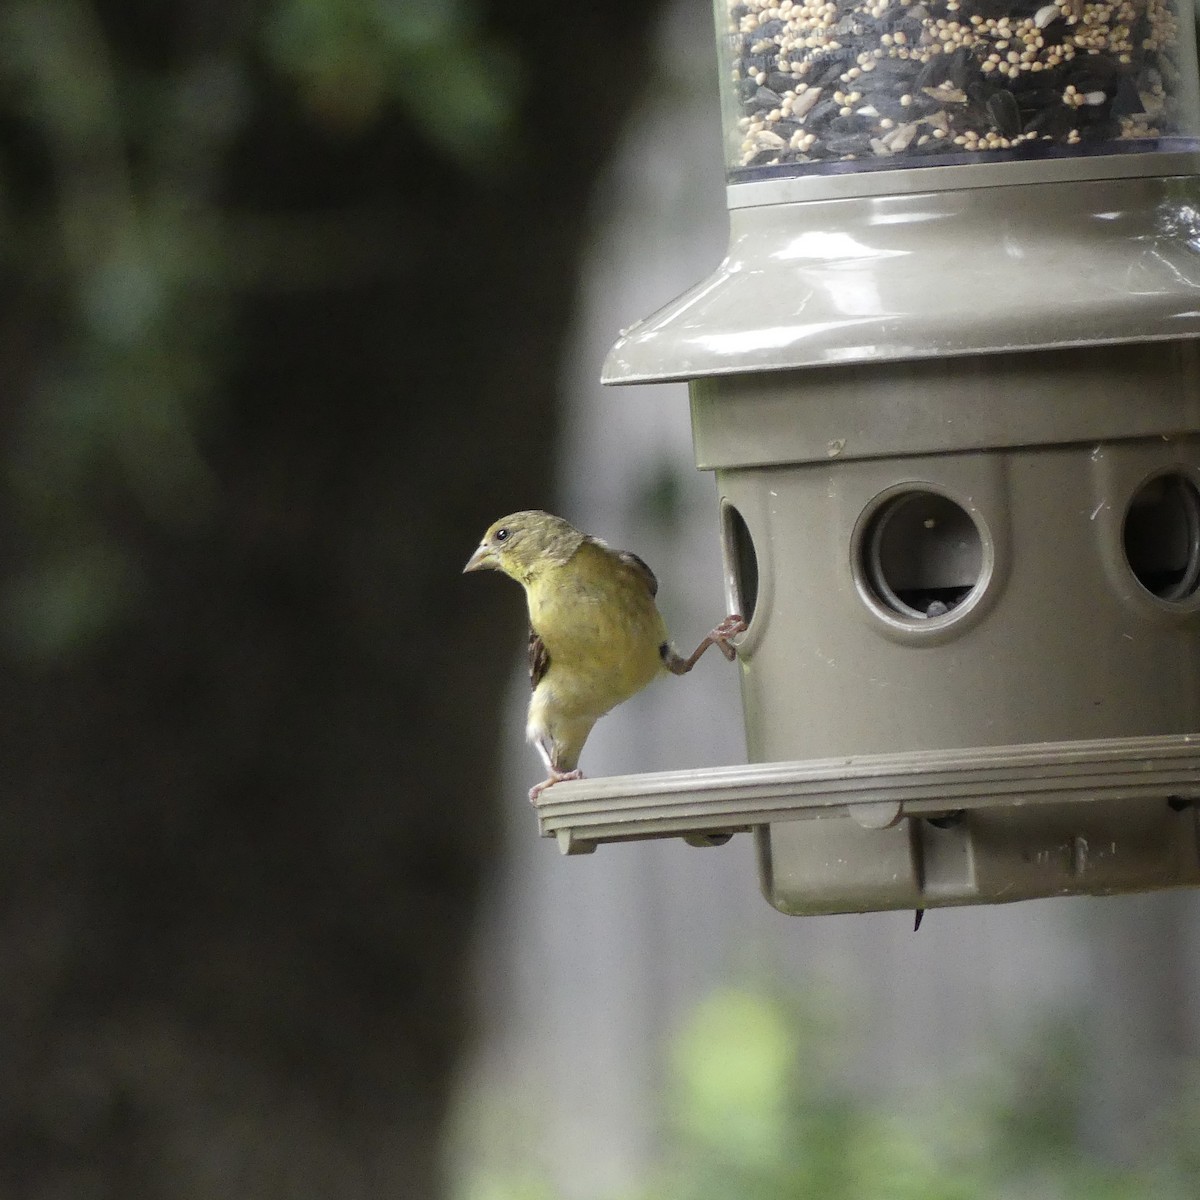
column 728, row 628
column 678, row 665
column 555, row 777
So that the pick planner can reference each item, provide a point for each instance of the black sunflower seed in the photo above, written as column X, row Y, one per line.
column 1004, row 114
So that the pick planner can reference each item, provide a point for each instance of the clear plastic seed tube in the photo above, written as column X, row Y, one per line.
column 822, row 87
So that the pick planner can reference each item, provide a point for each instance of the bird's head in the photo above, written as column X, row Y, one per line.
column 521, row 543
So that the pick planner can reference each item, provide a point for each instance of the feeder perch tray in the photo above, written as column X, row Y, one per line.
column 984, row 825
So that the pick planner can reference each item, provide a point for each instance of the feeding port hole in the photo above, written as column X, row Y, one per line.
column 741, row 561
column 1162, row 537
column 921, row 555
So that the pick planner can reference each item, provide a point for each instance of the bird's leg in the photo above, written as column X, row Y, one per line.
column 555, row 777
column 678, row 665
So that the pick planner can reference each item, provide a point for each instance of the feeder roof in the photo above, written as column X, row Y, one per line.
column 969, row 260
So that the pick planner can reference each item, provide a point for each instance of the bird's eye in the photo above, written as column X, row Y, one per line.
column 502, row 535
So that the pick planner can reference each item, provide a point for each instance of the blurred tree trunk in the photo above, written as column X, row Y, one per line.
column 248, row 801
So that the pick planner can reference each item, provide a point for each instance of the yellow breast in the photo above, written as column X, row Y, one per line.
column 601, row 628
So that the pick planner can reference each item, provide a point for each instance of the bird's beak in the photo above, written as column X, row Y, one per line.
column 481, row 560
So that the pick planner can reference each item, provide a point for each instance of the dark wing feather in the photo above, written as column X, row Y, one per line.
column 539, row 659
column 641, row 568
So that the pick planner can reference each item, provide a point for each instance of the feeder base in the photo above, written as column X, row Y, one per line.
column 922, row 829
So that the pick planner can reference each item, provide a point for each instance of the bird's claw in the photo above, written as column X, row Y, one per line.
column 555, row 777
column 731, row 626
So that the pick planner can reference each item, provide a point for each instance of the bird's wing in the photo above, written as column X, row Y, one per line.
column 641, row 568
column 539, row 659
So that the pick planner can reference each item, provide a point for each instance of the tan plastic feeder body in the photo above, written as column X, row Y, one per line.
column 954, row 415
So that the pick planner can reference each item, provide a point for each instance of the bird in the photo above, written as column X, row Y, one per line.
column 596, row 636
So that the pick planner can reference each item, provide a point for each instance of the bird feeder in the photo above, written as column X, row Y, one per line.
column 948, row 379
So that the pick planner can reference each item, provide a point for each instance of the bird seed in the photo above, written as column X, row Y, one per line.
column 882, row 84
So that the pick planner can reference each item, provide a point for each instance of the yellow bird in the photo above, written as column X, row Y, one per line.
column 596, row 636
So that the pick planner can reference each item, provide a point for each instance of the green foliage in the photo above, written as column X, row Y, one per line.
column 66, row 599
column 350, row 56
column 756, row 1110
column 109, row 249
column 125, row 265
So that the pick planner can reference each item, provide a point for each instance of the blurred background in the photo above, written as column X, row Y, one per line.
column 297, row 297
